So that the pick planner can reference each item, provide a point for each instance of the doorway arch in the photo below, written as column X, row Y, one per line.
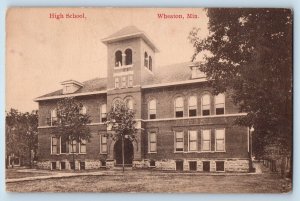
column 128, row 152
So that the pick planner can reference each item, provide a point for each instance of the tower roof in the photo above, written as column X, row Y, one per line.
column 128, row 33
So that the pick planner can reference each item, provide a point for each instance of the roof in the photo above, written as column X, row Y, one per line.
column 128, row 33
column 163, row 76
column 170, row 73
column 96, row 84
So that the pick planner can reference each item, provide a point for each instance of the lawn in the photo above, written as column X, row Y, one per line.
column 157, row 182
column 16, row 173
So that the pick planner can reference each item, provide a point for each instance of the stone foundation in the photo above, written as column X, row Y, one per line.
column 92, row 164
column 230, row 165
column 44, row 165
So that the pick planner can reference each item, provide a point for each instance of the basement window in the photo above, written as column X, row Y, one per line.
column 220, row 166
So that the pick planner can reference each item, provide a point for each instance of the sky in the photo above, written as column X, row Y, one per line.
column 41, row 51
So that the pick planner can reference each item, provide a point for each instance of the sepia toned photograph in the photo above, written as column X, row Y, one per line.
column 155, row 100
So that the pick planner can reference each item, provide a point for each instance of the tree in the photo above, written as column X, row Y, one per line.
column 121, row 121
column 72, row 124
column 21, row 134
column 249, row 53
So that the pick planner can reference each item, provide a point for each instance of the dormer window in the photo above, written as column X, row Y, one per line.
column 146, row 59
column 196, row 72
column 128, row 57
column 118, row 58
column 71, row 86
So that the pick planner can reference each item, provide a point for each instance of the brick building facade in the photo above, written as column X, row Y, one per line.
column 181, row 125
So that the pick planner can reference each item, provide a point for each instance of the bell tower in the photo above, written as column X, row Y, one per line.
column 130, row 60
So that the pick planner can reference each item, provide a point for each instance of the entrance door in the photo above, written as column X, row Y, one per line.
column 128, row 152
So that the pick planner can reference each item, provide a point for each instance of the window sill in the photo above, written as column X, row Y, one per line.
column 152, row 152
column 103, row 153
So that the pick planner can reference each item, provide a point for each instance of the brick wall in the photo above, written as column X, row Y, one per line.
column 92, row 104
column 236, row 138
column 165, row 100
column 92, row 147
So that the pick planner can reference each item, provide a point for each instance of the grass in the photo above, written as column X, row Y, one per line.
column 15, row 174
column 157, row 182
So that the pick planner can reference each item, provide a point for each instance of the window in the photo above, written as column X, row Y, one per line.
column 152, row 142
column 82, row 110
column 82, row 165
column 72, row 148
column 146, row 59
column 54, row 142
column 150, row 63
column 192, row 106
column 129, row 104
column 220, row 104
column 205, row 140
column 118, row 59
column 193, row 165
column 220, row 166
column 63, row 145
column 130, row 80
column 128, row 57
column 179, row 107
column 103, row 163
column 103, row 114
column 53, row 165
column 53, row 117
column 152, row 109
column 123, row 82
column 193, row 141
column 179, row 141
column 83, row 146
column 206, row 166
column 62, row 165
column 205, row 105
column 103, row 144
column 72, row 165
column 152, row 163
column 117, row 82
column 179, row 165
column 220, row 139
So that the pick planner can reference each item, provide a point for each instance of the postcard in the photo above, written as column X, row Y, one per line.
column 157, row 100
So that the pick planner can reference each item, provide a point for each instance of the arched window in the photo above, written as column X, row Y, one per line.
column 146, row 59
column 205, row 105
column 128, row 58
column 103, row 113
column 192, row 106
column 118, row 58
column 179, row 107
column 53, row 117
column 117, row 101
column 129, row 103
column 152, row 109
column 150, row 63
column 220, row 104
